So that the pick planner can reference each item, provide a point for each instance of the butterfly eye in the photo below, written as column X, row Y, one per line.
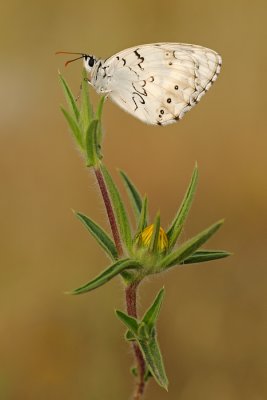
column 91, row 62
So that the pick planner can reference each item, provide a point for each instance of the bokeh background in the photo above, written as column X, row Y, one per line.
column 213, row 325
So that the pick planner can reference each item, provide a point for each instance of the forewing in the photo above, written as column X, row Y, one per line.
column 159, row 83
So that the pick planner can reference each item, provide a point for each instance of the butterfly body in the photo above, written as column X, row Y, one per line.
column 156, row 83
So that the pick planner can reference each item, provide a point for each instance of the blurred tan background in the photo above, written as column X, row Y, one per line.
column 213, row 325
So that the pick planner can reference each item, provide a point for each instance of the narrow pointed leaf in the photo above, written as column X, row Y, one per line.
column 154, row 361
column 119, row 209
column 188, row 248
column 86, row 114
column 178, row 222
column 134, row 196
column 130, row 322
column 74, row 127
column 107, row 275
column 153, row 245
column 100, row 235
column 99, row 113
column 70, row 98
column 151, row 315
column 91, row 144
column 143, row 216
column 150, row 350
column 206, row 255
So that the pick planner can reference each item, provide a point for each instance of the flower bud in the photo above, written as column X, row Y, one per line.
column 145, row 237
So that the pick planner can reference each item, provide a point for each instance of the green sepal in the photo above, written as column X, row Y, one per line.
column 206, row 255
column 91, row 144
column 119, row 209
column 74, row 127
column 142, row 223
column 107, row 275
column 178, row 222
column 153, row 245
column 151, row 315
column 99, row 234
column 86, row 113
column 134, row 196
column 189, row 247
column 70, row 98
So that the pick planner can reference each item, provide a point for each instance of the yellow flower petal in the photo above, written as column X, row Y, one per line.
column 146, row 236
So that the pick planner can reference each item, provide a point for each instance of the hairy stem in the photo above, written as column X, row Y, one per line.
column 109, row 209
column 131, row 293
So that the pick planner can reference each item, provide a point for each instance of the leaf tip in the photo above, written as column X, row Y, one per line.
column 68, row 292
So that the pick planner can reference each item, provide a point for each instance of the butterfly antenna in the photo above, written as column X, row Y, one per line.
column 82, row 55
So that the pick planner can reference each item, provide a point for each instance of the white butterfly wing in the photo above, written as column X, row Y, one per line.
column 159, row 83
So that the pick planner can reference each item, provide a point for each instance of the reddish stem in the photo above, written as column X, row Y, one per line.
column 131, row 292
column 109, row 209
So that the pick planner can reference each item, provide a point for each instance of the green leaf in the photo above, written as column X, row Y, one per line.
column 189, row 247
column 99, row 113
column 178, row 222
column 70, row 98
column 154, row 361
column 107, row 275
column 133, row 194
column 206, row 255
column 147, row 375
column 119, row 209
column 145, row 334
column 129, row 336
column 134, row 371
column 142, row 224
column 153, row 245
column 74, row 127
column 91, row 144
column 130, row 322
column 86, row 114
column 100, row 235
column 151, row 315
column 149, row 347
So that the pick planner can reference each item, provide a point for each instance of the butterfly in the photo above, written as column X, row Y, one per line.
column 156, row 83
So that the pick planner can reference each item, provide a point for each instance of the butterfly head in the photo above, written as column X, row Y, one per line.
column 88, row 60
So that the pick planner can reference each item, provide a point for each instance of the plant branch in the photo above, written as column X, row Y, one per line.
column 109, row 209
column 131, row 293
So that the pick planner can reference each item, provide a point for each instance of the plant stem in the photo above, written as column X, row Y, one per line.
column 131, row 293
column 111, row 217
column 131, row 290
